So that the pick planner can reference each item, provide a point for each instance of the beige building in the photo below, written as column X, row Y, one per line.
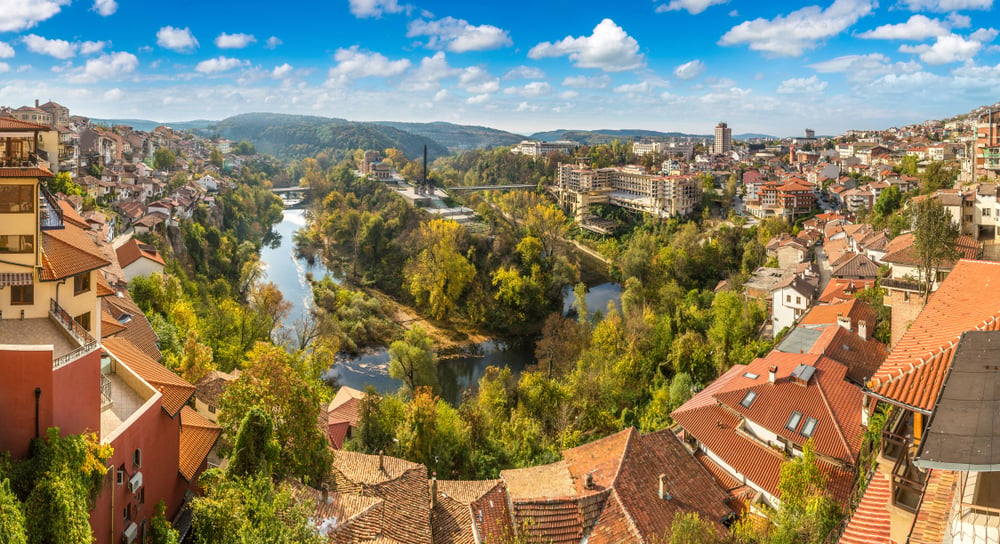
column 723, row 139
column 628, row 187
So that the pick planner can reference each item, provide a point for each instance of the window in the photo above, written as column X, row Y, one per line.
column 748, row 400
column 126, row 513
column 137, row 457
column 809, row 427
column 788, row 298
column 751, row 375
column 986, row 212
column 793, row 421
column 17, row 199
column 22, row 294
column 81, row 283
column 211, row 408
column 83, row 320
column 798, row 300
column 17, row 243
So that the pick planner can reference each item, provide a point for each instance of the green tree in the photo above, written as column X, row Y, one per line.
column 252, row 509
column 160, row 530
column 216, row 158
column 255, row 451
column 378, row 419
column 413, row 360
column 936, row 176
column 439, row 274
column 12, row 521
column 889, row 200
column 934, row 237
column 164, row 159
column 908, row 165
column 690, row 528
column 560, row 346
column 64, row 184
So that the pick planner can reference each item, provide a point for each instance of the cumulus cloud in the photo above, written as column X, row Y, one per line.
column 525, row 72
column 947, row 49
column 608, row 48
column 634, row 88
column 176, row 39
column 947, row 5
column 791, row 35
column 428, row 75
column 475, row 80
column 568, row 95
column 958, row 20
column 218, row 64
column 112, row 95
column 281, row 71
column 60, row 49
column 917, row 27
column 273, row 42
column 734, row 94
column 458, row 36
column 694, row 7
column 107, row 66
column 4, row 67
column 865, row 68
column 105, row 8
column 689, row 70
column 535, row 88
column 524, row 106
column 441, row 95
column 584, row 82
column 354, row 63
column 18, row 15
column 802, row 85
column 234, row 41
column 374, row 8
column 89, row 48
column 6, row 51
column 478, row 99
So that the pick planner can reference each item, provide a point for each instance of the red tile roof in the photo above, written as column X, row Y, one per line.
column 137, row 327
column 197, row 438
column 461, row 504
column 67, row 252
column 931, row 521
column 859, row 266
column 968, row 299
column 341, row 517
column 344, row 406
column 70, row 215
column 871, row 522
column 842, row 290
column 855, row 309
column 132, row 251
column 861, row 357
column 176, row 392
column 34, row 172
column 12, row 124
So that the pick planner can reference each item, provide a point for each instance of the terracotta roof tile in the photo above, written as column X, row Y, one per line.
column 861, row 357
column 968, row 299
column 70, row 215
column 342, row 517
column 103, row 288
column 842, row 290
column 858, row 266
column 344, row 406
column 871, row 522
column 931, row 521
column 614, row 526
column 176, row 392
column 137, row 327
column 197, row 438
column 855, row 309
column 109, row 325
column 12, row 124
column 132, row 251
column 464, row 504
column 67, row 252
column 211, row 387
column 602, row 459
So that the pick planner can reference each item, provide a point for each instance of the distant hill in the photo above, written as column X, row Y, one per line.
column 147, row 125
column 298, row 136
column 458, row 137
column 603, row 136
column 754, row 136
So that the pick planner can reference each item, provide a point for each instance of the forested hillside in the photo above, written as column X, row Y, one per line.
column 458, row 137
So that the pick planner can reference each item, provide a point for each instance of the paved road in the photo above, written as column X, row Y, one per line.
column 825, row 270
column 119, row 241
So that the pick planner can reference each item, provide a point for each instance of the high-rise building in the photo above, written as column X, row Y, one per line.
column 723, row 139
column 810, row 134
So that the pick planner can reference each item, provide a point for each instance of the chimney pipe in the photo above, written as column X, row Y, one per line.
column 434, row 490
column 844, row 321
column 664, row 494
column 325, row 493
column 381, row 461
column 863, row 329
column 36, row 102
column 772, row 371
column 589, row 481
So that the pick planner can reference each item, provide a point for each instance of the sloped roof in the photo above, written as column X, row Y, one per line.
column 931, row 520
column 541, row 482
column 70, row 215
column 132, row 251
column 859, row 266
column 344, row 406
column 176, row 392
column 861, row 357
column 211, row 387
column 462, row 504
column 109, row 325
column 968, row 299
column 197, row 438
column 67, row 252
column 137, row 327
column 842, row 290
column 12, row 124
column 855, row 309
column 342, row 517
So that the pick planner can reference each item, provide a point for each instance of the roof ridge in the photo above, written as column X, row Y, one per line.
column 833, row 416
column 621, row 462
column 628, row 515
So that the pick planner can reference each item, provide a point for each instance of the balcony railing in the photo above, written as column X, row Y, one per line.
column 75, row 330
column 50, row 214
column 902, row 285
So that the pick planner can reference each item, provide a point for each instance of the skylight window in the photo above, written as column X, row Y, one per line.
column 809, row 427
column 793, row 421
column 747, row 400
column 751, row 375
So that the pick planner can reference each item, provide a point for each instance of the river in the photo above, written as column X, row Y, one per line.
column 457, row 369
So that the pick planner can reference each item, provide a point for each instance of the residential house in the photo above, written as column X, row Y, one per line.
column 790, row 300
column 139, row 259
column 342, row 415
column 209, row 390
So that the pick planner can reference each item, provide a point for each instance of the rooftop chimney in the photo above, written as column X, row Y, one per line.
column 844, row 321
column 664, row 494
column 771, row 373
column 588, row 481
column 381, row 461
column 325, row 493
column 863, row 329
column 434, row 489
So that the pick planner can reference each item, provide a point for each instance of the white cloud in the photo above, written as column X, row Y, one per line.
column 17, row 15
column 176, row 39
column 802, row 85
column 106, row 67
column 947, row 5
column 430, row 72
column 535, row 88
column 584, row 82
column 958, row 20
column 441, row 95
column 524, row 106
column 374, row 8
column 112, row 95
column 354, row 63
column 689, row 70
column 694, row 7
column 234, row 41
column 917, row 27
column 984, row 35
column 791, row 35
column 105, row 8
column 4, row 67
column 281, row 71
column 89, row 48
column 60, row 49
column 6, row 51
column 478, row 99
column 609, row 48
column 458, row 36
column 568, row 95
column 865, row 68
column 634, row 88
column 273, row 42
column 734, row 94
column 946, row 49
column 218, row 64
column 525, row 72
column 475, row 80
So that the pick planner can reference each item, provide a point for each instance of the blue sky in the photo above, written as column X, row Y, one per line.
column 670, row 65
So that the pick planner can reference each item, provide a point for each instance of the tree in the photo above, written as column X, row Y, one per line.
column 439, row 274
column 936, row 176
column 252, row 509
column 378, row 418
column 255, row 451
column 164, row 159
column 889, row 200
column 197, row 359
column 413, row 360
column 160, row 530
column 11, row 517
column 690, row 528
column 560, row 345
column 934, row 237
column 215, row 157
column 64, row 184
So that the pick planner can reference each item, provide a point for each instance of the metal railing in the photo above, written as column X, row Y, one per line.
column 50, row 214
column 86, row 342
column 106, row 387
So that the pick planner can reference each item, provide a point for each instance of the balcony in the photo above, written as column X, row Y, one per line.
column 84, row 340
column 975, row 512
column 50, row 214
column 68, row 339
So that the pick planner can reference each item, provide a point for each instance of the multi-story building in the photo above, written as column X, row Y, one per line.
column 630, row 187
column 723, row 139
column 542, row 149
column 57, row 371
column 987, row 155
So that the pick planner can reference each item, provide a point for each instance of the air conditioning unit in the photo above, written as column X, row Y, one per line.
column 131, row 533
column 135, row 483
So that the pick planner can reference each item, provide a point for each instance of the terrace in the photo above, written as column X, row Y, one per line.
column 68, row 339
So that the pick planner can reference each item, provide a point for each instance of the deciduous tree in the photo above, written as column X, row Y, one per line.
column 439, row 274
column 413, row 360
column 934, row 237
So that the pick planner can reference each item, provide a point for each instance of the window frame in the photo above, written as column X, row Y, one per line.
column 22, row 300
column 793, row 421
column 79, row 286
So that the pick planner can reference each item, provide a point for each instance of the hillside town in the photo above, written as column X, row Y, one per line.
column 878, row 364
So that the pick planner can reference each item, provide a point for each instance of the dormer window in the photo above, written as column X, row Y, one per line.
column 793, row 421
column 748, row 399
column 809, row 427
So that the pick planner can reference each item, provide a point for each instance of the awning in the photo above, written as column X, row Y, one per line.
column 16, row 278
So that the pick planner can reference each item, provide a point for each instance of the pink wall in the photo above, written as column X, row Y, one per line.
column 20, row 373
